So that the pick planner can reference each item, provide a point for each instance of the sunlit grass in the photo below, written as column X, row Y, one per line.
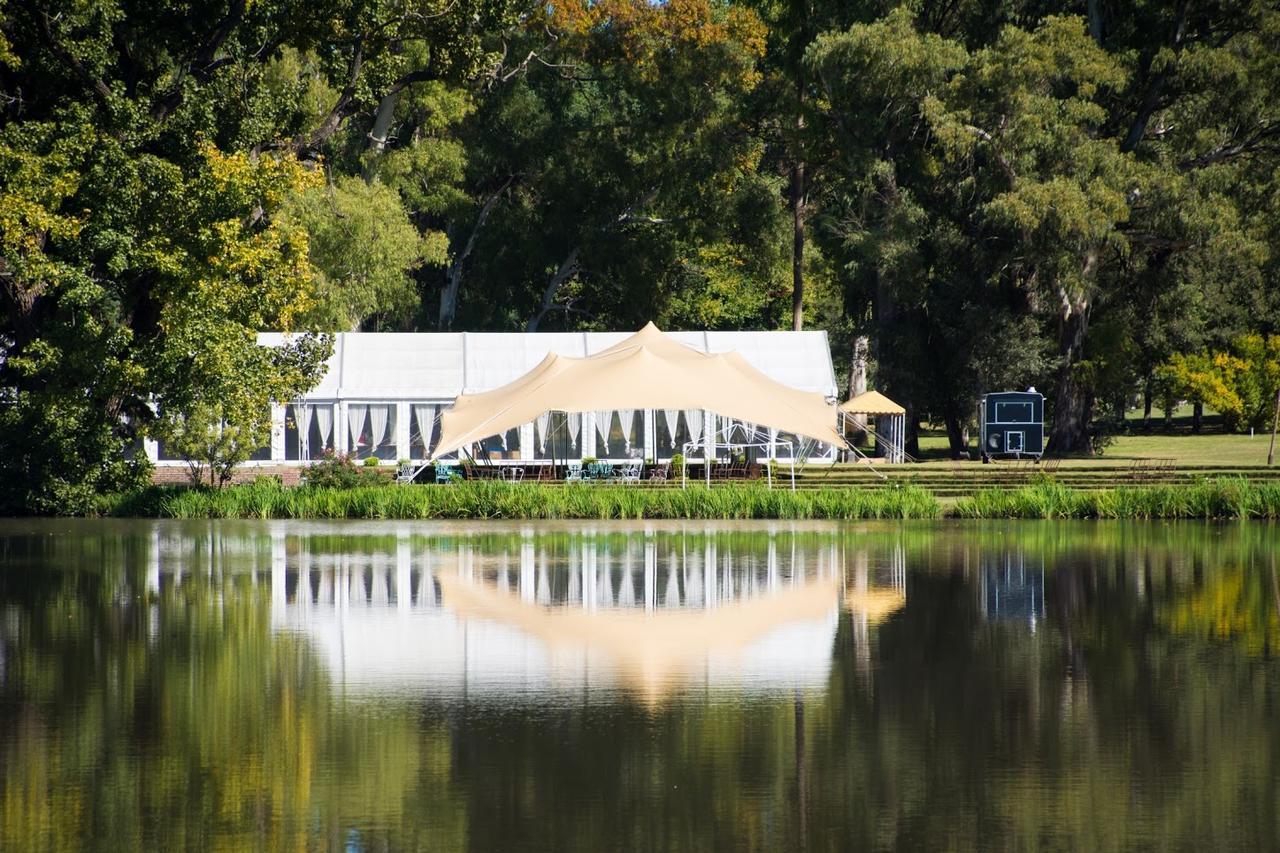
column 491, row 500
column 1227, row 497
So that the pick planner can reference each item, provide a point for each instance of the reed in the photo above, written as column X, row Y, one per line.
column 489, row 500
column 1220, row 498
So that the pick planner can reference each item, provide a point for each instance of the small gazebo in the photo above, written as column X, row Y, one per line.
column 891, row 422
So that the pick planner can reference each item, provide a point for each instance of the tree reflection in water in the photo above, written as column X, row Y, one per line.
column 396, row 686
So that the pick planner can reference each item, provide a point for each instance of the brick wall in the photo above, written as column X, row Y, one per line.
column 289, row 474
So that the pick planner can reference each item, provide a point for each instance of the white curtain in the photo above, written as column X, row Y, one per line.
column 672, row 417
column 324, row 420
column 378, row 416
column 693, row 419
column 604, row 420
column 355, row 421
column 543, row 423
column 426, row 415
column 302, row 416
column 575, row 424
column 627, row 420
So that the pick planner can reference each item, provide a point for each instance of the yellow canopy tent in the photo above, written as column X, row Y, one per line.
column 876, row 404
column 646, row 371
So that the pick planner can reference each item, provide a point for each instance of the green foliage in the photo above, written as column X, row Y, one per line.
column 340, row 471
column 1219, row 498
column 1240, row 383
column 486, row 499
column 363, row 247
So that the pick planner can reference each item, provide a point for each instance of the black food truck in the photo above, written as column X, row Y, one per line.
column 1011, row 423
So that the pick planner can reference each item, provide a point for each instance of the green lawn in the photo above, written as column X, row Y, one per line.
column 1212, row 449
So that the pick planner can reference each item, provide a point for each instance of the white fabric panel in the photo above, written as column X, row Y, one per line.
column 495, row 358
column 302, row 415
column 693, row 419
column 543, row 423
column 355, row 422
column 627, row 422
column 672, row 417
column 377, row 425
column 604, row 421
column 391, row 365
column 426, row 415
column 575, row 424
column 799, row 359
column 324, row 420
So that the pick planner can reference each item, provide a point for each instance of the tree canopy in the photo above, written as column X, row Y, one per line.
column 980, row 194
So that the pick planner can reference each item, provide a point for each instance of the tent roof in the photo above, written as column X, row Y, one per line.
column 872, row 403
column 438, row 366
column 647, row 370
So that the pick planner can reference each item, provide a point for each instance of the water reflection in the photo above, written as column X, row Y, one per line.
column 681, row 687
column 538, row 618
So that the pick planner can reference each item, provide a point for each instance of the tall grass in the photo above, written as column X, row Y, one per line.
column 1228, row 497
column 1214, row 499
column 488, row 500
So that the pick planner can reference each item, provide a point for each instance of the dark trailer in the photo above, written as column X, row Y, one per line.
column 1011, row 423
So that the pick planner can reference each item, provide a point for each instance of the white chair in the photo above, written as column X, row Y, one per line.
column 631, row 472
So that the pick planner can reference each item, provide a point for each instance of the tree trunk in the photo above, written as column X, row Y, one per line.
column 453, row 280
column 911, row 443
column 567, row 270
column 858, row 383
column 956, row 437
column 1073, row 403
column 379, row 132
column 797, row 246
column 1146, row 403
column 1197, row 416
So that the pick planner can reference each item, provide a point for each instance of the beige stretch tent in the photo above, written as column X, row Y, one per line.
column 646, row 371
column 876, row 404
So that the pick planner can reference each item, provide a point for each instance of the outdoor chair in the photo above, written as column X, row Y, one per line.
column 573, row 473
column 598, row 471
column 660, row 473
column 408, row 471
column 446, row 473
column 514, row 474
column 630, row 472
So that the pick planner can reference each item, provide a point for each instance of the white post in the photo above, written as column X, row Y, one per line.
column 528, row 443
column 708, row 442
column 340, row 429
column 279, row 596
column 277, row 432
column 402, row 430
column 404, row 583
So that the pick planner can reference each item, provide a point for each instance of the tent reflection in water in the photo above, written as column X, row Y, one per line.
column 646, row 371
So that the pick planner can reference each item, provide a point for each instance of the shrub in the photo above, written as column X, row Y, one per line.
column 371, row 462
column 339, row 471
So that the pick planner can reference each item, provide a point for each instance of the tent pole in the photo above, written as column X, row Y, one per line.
column 708, row 440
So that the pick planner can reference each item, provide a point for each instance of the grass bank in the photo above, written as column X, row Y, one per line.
column 1223, row 498
column 489, row 500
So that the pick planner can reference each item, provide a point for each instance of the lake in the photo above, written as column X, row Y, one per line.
column 638, row 686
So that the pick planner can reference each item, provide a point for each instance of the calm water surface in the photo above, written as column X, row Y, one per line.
column 597, row 687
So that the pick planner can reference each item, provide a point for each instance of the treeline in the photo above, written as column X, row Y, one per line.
column 968, row 194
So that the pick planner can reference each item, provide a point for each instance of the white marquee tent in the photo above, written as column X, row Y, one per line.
column 383, row 394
